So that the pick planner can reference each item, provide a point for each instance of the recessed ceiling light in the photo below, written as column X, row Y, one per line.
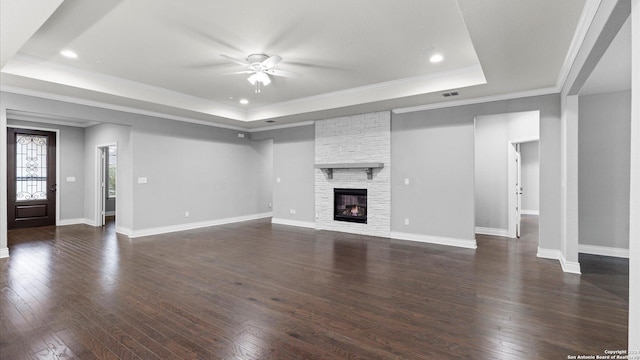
column 69, row 54
column 436, row 58
column 244, row 101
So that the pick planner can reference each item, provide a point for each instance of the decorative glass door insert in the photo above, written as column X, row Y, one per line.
column 31, row 167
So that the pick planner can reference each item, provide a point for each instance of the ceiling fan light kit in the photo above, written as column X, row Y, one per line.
column 260, row 66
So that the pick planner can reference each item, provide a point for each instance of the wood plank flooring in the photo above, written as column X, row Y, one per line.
column 255, row 290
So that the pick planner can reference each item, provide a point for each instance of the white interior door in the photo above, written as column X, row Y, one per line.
column 102, row 185
column 518, row 189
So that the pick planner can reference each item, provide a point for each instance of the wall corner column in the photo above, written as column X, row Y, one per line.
column 569, row 188
column 634, row 203
column 4, row 249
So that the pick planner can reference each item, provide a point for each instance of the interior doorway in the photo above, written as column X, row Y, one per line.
column 503, row 176
column 31, row 178
column 106, row 183
column 524, row 185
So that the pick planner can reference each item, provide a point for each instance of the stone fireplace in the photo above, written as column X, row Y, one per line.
column 354, row 153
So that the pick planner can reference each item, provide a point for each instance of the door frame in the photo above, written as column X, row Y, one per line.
column 99, row 173
column 511, row 199
column 57, row 134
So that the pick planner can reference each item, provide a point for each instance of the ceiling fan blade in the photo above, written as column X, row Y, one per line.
column 271, row 62
column 243, row 63
column 240, row 72
column 283, row 73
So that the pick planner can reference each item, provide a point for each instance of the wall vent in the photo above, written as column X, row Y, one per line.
column 453, row 93
column 270, row 121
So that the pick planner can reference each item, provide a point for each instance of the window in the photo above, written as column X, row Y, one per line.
column 112, row 164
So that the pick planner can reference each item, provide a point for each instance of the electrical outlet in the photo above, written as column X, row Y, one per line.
column 294, row 211
column 270, row 205
column 406, row 221
column 186, row 214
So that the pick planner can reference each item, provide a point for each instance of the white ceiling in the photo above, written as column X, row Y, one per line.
column 162, row 56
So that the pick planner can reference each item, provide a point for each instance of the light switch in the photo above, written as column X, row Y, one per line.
column 406, row 181
column 277, row 179
column 142, row 180
column 71, row 179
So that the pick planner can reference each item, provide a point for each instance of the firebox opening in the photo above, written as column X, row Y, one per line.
column 350, row 205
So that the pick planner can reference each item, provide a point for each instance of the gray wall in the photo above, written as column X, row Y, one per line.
column 530, row 176
column 293, row 163
column 71, row 145
column 264, row 174
column 209, row 172
column 434, row 148
column 492, row 136
column 604, row 161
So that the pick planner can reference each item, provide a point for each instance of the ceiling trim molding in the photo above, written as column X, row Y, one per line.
column 284, row 126
column 478, row 100
column 48, row 119
column 445, row 80
column 102, row 105
column 584, row 23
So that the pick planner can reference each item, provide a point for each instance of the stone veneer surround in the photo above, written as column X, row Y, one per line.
column 355, row 139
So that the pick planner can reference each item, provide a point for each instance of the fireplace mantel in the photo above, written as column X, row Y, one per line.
column 368, row 167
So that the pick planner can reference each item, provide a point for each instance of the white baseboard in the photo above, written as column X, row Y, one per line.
column 89, row 222
column 4, row 253
column 123, row 230
column 492, row 231
column 549, row 253
column 77, row 221
column 567, row 266
column 464, row 243
column 530, row 212
column 570, row 266
column 603, row 250
column 194, row 225
column 304, row 224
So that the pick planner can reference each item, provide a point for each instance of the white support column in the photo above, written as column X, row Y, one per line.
column 4, row 250
column 569, row 201
column 634, row 213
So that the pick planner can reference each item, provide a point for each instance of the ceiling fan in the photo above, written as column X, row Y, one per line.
column 260, row 66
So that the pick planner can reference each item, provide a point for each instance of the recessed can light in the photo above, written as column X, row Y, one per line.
column 244, row 101
column 69, row 54
column 436, row 58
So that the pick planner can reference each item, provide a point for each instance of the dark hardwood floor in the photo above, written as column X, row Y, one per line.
column 255, row 290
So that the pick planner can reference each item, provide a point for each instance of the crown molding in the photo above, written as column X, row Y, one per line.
column 416, row 85
column 103, row 105
column 478, row 100
column 48, row 119
column 284, row 126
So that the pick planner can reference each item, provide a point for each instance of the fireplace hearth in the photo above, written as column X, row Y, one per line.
column 350, row 205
